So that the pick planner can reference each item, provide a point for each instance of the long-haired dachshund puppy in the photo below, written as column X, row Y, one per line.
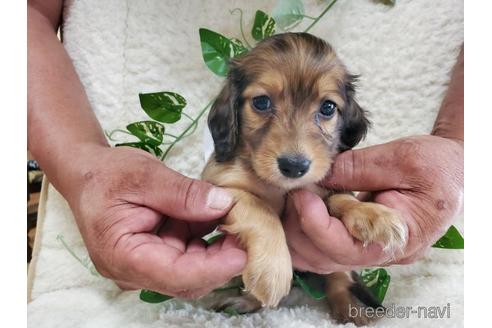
column 286, row 110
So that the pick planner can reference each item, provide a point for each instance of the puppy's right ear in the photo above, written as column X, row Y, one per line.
column 223, row 123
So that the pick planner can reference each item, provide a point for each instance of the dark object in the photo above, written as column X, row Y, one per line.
column 293, row 166
column 32, row 165
column 363, row 293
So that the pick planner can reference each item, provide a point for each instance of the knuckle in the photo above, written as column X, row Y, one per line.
column 419, row 165
column 412, row 155
column 188, row 193
column 125, row 181
column 345, row 166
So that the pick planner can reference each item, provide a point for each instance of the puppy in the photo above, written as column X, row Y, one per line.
column 286, row 110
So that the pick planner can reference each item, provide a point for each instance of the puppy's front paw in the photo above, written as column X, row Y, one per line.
column 372, row 222
column 268, row 274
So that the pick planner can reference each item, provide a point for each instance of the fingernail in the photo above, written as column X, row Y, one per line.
column 219, row 199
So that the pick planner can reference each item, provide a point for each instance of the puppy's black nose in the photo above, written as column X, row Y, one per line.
column 293, row 166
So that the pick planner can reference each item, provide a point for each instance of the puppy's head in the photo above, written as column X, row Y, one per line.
column 286, row 110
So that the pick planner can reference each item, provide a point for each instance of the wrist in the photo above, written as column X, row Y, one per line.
column 455, row 138
column 449, row 128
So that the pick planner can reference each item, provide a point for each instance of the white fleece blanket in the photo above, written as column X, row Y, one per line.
column 120, row 48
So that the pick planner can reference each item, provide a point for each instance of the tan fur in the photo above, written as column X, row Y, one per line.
column 255, row 221
column 370, row 222
column 297, row 74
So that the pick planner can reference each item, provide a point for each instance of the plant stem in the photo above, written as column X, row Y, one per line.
column 241, row 25
column 309, row 17
column 85, row 264
column 110, row 135
column 320, row 16
column 194, row 125
column 188, row 116
column 170, row 135
column 192, row 130
column 188, row 128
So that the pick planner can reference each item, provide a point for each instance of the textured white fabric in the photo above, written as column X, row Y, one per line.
column 120, row 48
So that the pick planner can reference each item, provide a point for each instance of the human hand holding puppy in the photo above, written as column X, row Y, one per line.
column 421, row 177
column 142, row 224
column 140, row 221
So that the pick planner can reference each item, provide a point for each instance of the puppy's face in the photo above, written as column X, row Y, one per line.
column 287, row 109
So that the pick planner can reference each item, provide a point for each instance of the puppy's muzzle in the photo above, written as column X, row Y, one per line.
column 293, row 166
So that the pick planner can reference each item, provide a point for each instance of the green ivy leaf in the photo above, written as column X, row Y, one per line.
column 288, row 13
column 153, row 297
column 217, row 50
column 263, row 27
column 164, row 106
column 213, row 237
column 313, row 284
column 237, row 44
column 154, row 150
column 230, row 311
column 452, row 239
column 149, row 132
column 377, row 280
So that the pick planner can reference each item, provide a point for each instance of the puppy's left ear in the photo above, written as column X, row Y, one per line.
column 355, row 123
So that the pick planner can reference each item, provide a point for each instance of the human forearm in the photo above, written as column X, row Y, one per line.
column 61, row 124
column 449, row 122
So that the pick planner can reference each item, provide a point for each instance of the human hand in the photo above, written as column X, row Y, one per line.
column 421, row 177
column 142, row 223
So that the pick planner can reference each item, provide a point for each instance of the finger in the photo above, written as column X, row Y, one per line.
column 165, row 269
column 224, row 242
column 371, row 168
column 181, row 197
column 123, row 285
column 215, row 247
column 196, row 245
column 330, row 235
column 175, row 234
column 306, row 254
column 210, row 269
column 299, row 263
column 231, row 242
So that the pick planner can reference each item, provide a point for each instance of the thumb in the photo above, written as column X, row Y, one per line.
column 367, row 169
column 180, row 197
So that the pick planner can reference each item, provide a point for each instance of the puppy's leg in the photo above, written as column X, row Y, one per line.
column 268, row 273
column 370, row 222
column 348, row 299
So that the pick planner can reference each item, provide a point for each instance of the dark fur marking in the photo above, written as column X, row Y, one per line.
column 363, row 294
column 355, row 123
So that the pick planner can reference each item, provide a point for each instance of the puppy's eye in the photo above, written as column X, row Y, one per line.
column 328, row 108
column 262, row 103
